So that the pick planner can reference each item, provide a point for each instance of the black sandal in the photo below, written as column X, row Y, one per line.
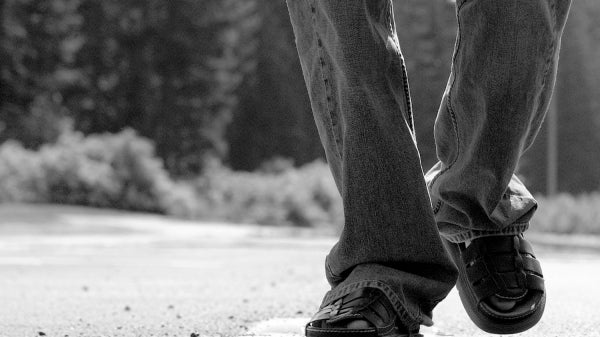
column 368, row 304
column 505, row 267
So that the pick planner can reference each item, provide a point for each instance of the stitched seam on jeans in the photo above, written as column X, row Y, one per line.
column 392, row 29
column 549, row 60
column 326, row 83
column 552, row 46
column 515, row 228
column 389, row 16
column 438, row 205
column 409, row 111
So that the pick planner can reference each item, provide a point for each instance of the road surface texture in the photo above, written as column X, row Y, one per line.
column 80, row 272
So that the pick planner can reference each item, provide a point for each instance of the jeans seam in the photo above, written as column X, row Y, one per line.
column 326, row 81
column 409, row 111
column 551, row 52
column 513, row 229
column 551, row 47
column 405, row 82
column 438, row 205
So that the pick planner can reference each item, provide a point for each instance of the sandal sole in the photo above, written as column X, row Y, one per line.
column 485, row 322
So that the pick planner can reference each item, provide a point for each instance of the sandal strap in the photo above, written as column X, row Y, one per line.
column 502, row 265
column 489, row 286
column 368, row 304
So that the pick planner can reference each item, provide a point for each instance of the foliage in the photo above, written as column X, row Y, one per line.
column 168, row 69
column 36, row 41
column 577, row 100
column 116, row 171
column 221, row 78
column 121, row 171
column 568, row 214
column 280, row 196
column 273, row 118
column 21, row 176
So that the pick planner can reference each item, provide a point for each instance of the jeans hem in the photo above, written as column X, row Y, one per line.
column 411, row 321
column 471, row 234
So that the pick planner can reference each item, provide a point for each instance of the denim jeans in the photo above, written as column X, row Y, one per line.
column 503, row 71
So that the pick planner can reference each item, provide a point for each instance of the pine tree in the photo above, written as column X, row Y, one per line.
column 273, row 118
column 166, row 68
column 426, row 31
column 36, row 44
column 577, row 107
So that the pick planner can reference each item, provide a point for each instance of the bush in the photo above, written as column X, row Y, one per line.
column 121, row 171
column 109, row 170
column 568, row 214
column 282, row 195
column 21, row 176
column 287, row 196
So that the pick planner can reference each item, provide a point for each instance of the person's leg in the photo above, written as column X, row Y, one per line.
column 502, row 77
column 503, row 72
column 358, row 89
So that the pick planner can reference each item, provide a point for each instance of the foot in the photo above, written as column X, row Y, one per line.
column 497, row 301
column 364, row 312
column 358, row 324
column 500, row 282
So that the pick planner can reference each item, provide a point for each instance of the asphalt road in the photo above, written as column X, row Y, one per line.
column 73, row 272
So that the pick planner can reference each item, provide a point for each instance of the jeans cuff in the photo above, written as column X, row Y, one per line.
column 463, row 236
column 410, row 321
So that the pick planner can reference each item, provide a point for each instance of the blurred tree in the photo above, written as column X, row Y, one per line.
column 35, row 43
column 274, row 117
column 166, row 68
column 426, row 31
column 222, row 78
column 578, row 104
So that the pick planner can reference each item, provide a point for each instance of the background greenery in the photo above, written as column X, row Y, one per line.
column 198, row 108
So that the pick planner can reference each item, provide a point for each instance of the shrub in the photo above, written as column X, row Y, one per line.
column 21, row 177
column 279, row 194
column 305, row 197
column 567, row 214
column 108, row 170
column 121, row 171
